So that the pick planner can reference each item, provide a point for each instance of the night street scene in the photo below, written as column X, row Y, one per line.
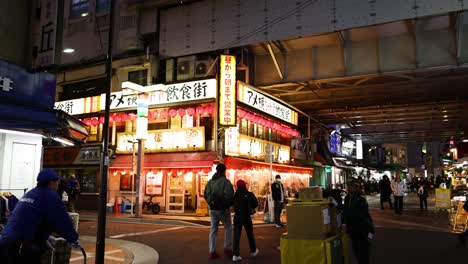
column 233, row 131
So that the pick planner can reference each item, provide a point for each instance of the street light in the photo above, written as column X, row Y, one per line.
column 142, row 127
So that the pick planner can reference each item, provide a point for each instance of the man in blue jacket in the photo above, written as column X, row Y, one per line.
column 39, row 213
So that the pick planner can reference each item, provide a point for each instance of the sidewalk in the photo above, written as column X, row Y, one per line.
column 163, row 219
column 116, row 252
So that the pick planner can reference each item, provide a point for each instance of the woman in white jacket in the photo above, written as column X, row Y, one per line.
column 398, row 189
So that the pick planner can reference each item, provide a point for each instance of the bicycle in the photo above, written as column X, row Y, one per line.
column 150, row 206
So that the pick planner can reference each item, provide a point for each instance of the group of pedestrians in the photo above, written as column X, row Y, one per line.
column 220, row 196
column 397, row 187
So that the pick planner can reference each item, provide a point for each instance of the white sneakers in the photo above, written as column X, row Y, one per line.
column 239, row 258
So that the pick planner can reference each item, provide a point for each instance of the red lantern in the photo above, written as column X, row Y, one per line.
column 172, row 113
column 163, row 113
column 191, row 111
column 209, row 109
column 117, row 118
column 94, row 121
column 101, row 119
column 241, row 113
column 125, row 117
column 181, row 111
column 87, row 121
column 132, row 116
column 155, row 114
column 111, row 119
column 200, row 110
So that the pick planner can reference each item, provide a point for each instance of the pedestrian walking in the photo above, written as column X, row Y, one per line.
column 219, row 195
column 245, row 203
column 423, row 193
column 277, row 193
column 39, row 213
column 72, row 189
column 398, row 188
column 359, row 224
column 385, row 192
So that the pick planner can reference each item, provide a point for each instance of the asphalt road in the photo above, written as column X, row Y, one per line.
column 412, row 238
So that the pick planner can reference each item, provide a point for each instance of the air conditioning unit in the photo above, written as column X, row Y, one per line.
column 185, row 68
column 202, row 65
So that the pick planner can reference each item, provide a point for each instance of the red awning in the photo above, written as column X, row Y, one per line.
column 243, row 164
column 166, row 161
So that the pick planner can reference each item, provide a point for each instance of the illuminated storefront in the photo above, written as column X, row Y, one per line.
column 259, row 146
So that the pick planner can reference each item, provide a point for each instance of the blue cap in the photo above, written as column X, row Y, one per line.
column 47, row 175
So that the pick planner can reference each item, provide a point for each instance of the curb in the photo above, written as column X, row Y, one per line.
column 144, row 221
column 142, row 254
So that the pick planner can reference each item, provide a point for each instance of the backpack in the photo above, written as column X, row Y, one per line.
column 216, row 200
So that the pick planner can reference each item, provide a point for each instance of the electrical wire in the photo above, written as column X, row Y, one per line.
column 275, row 21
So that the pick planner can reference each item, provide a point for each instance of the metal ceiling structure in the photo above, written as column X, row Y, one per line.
column 387, row 105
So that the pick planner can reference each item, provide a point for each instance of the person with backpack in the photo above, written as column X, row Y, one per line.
column 219, row 195
column 423, row 193
column 72, row 189
column 245, row 203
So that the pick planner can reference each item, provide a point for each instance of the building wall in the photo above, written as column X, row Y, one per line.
column 15, row 31
column 21, row 159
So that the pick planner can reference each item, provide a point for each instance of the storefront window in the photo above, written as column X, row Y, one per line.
column 88, row 178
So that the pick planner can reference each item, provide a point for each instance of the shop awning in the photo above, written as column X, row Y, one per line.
column 243, row 164
column 160, row 161
column 50, row 122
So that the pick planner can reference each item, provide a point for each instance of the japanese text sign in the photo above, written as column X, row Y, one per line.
column 48, row 27
column 227, row 91
column 80, row 106
column 173, row 93
column 265, row 104
column 25, row 88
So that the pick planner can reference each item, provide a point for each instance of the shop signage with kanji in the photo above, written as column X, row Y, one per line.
column 165, row 140
column 80, row 106
column 173, row 93
column 48, row 33
column 227, row 91
column 265, row 104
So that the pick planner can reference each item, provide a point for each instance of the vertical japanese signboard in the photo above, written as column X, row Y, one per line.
column 227, row 91
column 48, row 27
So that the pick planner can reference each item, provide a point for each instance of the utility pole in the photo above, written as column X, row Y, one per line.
column 104, row 167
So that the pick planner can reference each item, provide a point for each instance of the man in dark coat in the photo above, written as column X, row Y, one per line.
column 219, row 195
column 277, row 193
column 423, row 193
column 359, row 224
column 385, row 192
column 39, row 213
